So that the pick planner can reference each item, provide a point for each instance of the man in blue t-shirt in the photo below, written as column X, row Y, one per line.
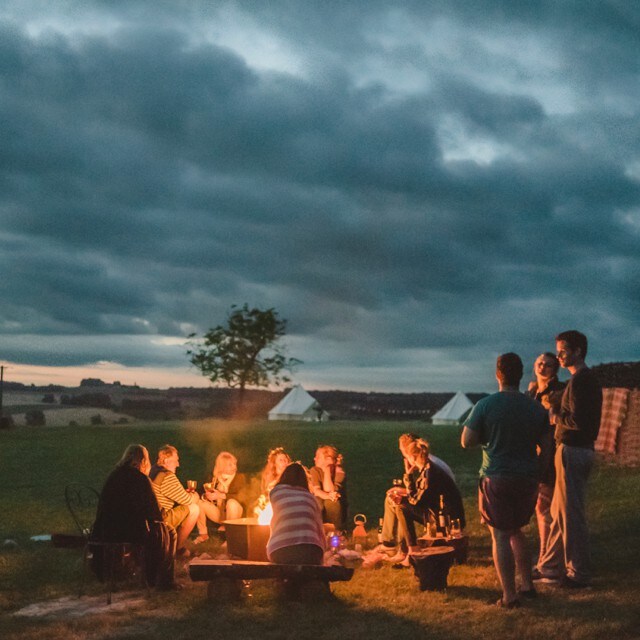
column 510, row 426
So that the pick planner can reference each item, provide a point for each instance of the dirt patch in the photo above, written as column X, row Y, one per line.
column 70, row 607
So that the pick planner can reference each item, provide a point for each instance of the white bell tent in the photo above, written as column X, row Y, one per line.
column 298, row 405
column 454, row 411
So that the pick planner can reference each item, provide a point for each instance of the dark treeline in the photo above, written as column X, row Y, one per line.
column 183, row 403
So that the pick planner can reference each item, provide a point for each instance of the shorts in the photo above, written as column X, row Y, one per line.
column 507, row 502
column 176, row 516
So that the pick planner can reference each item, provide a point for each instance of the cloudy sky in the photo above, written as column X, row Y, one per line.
column 415, row 186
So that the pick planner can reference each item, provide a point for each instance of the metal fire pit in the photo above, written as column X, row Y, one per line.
column 247, row 539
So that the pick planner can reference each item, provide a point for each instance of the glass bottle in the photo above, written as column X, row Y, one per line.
column 442, row 519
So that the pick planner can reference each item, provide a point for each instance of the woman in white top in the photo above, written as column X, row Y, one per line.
column 224, row 498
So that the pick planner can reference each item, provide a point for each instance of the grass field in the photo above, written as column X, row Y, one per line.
column 38, row 463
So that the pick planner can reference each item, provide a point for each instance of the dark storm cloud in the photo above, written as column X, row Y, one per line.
column 400, row 180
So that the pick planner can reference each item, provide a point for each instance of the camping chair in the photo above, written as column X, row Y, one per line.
column 112, row 558
column 82, row 503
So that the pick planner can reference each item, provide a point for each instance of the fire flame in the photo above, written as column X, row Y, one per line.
column 265, row 515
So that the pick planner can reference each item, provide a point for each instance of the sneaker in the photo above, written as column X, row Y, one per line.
column 203, row 537
column 536, row 576
column 570, row 583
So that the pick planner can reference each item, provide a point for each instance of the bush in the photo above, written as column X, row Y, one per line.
column 35, row 418
column 97, row 419
column 152, row 409
column 49, row 398
column 99, row 400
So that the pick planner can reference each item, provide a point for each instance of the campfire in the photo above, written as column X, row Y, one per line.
column 265, row 514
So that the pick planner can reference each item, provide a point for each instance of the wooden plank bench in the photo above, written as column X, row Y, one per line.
column 297, row 581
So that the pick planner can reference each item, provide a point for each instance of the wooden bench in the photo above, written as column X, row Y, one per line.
column 226, row 578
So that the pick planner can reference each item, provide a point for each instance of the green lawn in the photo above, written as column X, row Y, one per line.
column 38, row 463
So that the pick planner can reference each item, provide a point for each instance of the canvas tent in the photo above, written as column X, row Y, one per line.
column 454, row 411
column 298, row 405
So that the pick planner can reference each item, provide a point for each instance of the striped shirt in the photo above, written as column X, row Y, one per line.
column 296, row 519
column 168, row 488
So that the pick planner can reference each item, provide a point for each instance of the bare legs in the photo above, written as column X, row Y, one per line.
column 186, row 527
column 522, row 555
column 511, row 556
column 231, row 510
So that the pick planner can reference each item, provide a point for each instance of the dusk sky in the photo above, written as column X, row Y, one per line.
column 415, row 186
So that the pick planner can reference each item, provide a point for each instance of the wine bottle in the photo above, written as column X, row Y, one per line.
column 442, row 518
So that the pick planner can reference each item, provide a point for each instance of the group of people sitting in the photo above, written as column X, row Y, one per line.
column 148, row 506
column 228, row 494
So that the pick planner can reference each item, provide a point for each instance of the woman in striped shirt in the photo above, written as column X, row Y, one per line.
column 297, row 535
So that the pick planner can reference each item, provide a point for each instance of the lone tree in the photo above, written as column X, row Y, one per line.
column 244, row 352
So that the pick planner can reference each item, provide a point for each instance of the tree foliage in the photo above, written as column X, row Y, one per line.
column 245, row 352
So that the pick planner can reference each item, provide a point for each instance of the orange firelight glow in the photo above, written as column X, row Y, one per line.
column 264, row 516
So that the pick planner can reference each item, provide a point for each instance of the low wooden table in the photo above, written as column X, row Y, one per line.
column 226, row 577
column 460, row 545
column 431, row 567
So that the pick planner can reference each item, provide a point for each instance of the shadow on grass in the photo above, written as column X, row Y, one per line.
column 459, row 614
column 334, row 617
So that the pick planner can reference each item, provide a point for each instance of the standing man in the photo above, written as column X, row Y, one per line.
column 180, row 508
column 547, row 390
column 577, row 424
column 509, row 426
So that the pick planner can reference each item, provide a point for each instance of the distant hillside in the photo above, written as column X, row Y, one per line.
column 195, row 403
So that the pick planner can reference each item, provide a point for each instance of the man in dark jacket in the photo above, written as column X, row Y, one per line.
column 128, row 511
